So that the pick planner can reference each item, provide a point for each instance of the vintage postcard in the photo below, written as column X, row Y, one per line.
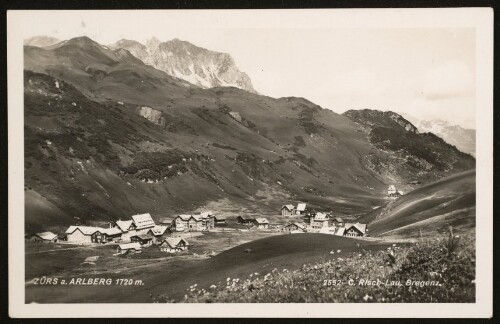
column 163, row 163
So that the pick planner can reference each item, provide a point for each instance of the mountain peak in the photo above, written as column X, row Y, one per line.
column 41, row 41
column 135, row 48
column 463, row 139
column 186, row 61
column 82, row 41
column 153, row 43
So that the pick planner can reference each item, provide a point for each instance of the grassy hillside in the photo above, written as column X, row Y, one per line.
column 436, row 271
column 107, row 136
column 429, row 209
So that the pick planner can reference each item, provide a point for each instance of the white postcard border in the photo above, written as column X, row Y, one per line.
column 479, row 18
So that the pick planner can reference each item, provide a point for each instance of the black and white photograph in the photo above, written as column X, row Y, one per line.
column 178, row 158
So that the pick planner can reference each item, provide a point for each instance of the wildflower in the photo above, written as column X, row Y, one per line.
column 338, row 251
column 256, row 273
column 367, row 297
column 394, row 244
column 228, row 279
column 213, row 286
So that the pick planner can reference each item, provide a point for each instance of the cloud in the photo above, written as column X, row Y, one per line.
column 451, row 79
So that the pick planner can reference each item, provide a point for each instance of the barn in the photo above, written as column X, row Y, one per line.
column 295, row 228
column 287, row 210
column 245, row 221
column 339, row 222
column 220, row 220
column 261, row 223
column 128, row 247
column 301, row 209
column 82, row 234
column 45, row 237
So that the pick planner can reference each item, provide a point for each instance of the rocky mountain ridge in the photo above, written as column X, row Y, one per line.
column 189, row 62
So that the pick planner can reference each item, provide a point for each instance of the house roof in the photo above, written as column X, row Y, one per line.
column 299, row 225
column 392, row 187
column 197, row 218
column 340, row 231
column 143, row 221
column 47, row 236
column 124, row 225
column 301, row 206
column 246, row 219
column 184, row 217
column 220, row 217
column 130, row 246
column 143, row 237
column 338, row 219
column 262, row 220
column 321, row 216
column 207, row 214
column 289, row 207
column 86, row 230
column 174, row 241
column 112, row 231
column 158, row 230
column 360, row 227
column 166, row 220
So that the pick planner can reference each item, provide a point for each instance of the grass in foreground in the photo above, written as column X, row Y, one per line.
column 440, row 270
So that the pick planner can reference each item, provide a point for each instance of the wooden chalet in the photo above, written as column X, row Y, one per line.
column 174, row 245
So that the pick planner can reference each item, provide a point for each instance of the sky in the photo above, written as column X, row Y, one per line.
column 425, row 72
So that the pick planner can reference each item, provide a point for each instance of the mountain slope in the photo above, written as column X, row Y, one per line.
column 429, row 209
column 186, row 61
column 404, row 153
column 107, row 136
column 464, row 139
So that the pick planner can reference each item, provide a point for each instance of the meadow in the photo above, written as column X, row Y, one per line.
column 440, row 270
